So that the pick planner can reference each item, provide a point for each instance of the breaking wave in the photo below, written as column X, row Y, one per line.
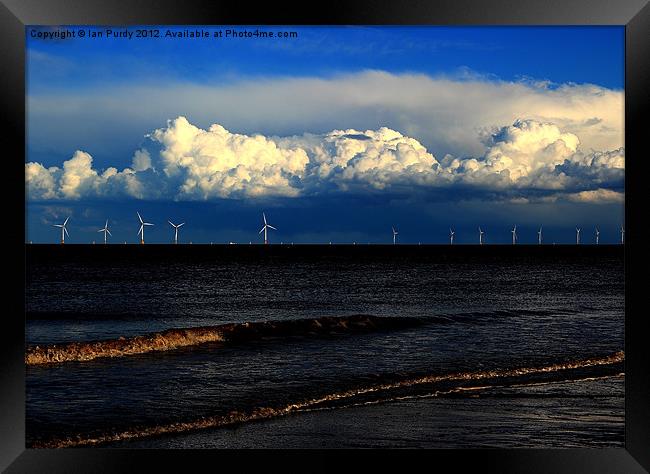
column 433, row 385
column 172, row 339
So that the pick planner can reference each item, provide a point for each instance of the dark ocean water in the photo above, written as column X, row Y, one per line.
column 485, row 346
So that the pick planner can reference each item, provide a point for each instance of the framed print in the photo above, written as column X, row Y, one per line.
column 290, row 234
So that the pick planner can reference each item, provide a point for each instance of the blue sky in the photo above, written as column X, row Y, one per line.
column 437, row 127
column 589, row 54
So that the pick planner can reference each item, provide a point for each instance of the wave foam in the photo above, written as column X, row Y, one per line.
column 177, row 338
column 236, row 417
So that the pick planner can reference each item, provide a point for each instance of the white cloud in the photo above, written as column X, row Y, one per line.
column 141, row 160
column 370, row 159
column 446, row 114
column 217, row 163
column 535, row 155
column 78, row 176
column 528, row 146
column 597, row 195
column 79, row 179
column 201, row 164
column 41, row 182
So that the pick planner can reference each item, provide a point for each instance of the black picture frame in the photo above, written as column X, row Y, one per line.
column 15, row 14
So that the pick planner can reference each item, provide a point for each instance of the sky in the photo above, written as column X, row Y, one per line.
column 336, row 133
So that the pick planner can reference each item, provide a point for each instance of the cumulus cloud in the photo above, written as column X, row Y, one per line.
column 606, row 168
column 41, row 182
column 141, row 160
column 364, row 160
column 79, row 179
column 539, row 156
column 528, row 146
column 218, row 163
column 192, row 163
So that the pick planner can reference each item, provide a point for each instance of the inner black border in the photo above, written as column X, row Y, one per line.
column 15, row 14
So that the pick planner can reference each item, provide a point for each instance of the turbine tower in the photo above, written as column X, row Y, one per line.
column 141, row 231
column 64, row 231
column 539, row 235
column 175, row 226
column 514, row 234
column 578, row 235
column 105, row 231
column 597, row 236
column 394, row 235
column 451, row 236
column 264, row 229
column 480, row 236
column 622, row 235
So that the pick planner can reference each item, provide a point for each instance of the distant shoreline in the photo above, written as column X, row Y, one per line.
column 345, row 244
column 124, row 253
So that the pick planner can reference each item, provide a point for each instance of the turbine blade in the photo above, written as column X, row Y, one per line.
column 57, row 225
column 141, row 227
column 262, row 230
column 171, row 223
column 139, row 217
column 264, row 217
column 66, row 221
column 181, row 224
column 109, row 232
column 147, row 223
column 66, row 231
column 101, row 230
column 271, row 227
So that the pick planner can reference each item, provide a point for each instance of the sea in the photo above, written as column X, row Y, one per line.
column 324, row 346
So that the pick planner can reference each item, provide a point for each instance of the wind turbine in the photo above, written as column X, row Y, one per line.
column 514, row 234
column 597, row 235
column 142, row 224
column 394, row 235
column 64, row 231
column 264, row 229
column 480, row 236
column 105, row 231
column 578, row 235
column 539, row 235
column 622, row 235
column 451, row 236
column 175, row 230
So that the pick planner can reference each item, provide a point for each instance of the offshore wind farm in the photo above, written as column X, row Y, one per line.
column 266, row 227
